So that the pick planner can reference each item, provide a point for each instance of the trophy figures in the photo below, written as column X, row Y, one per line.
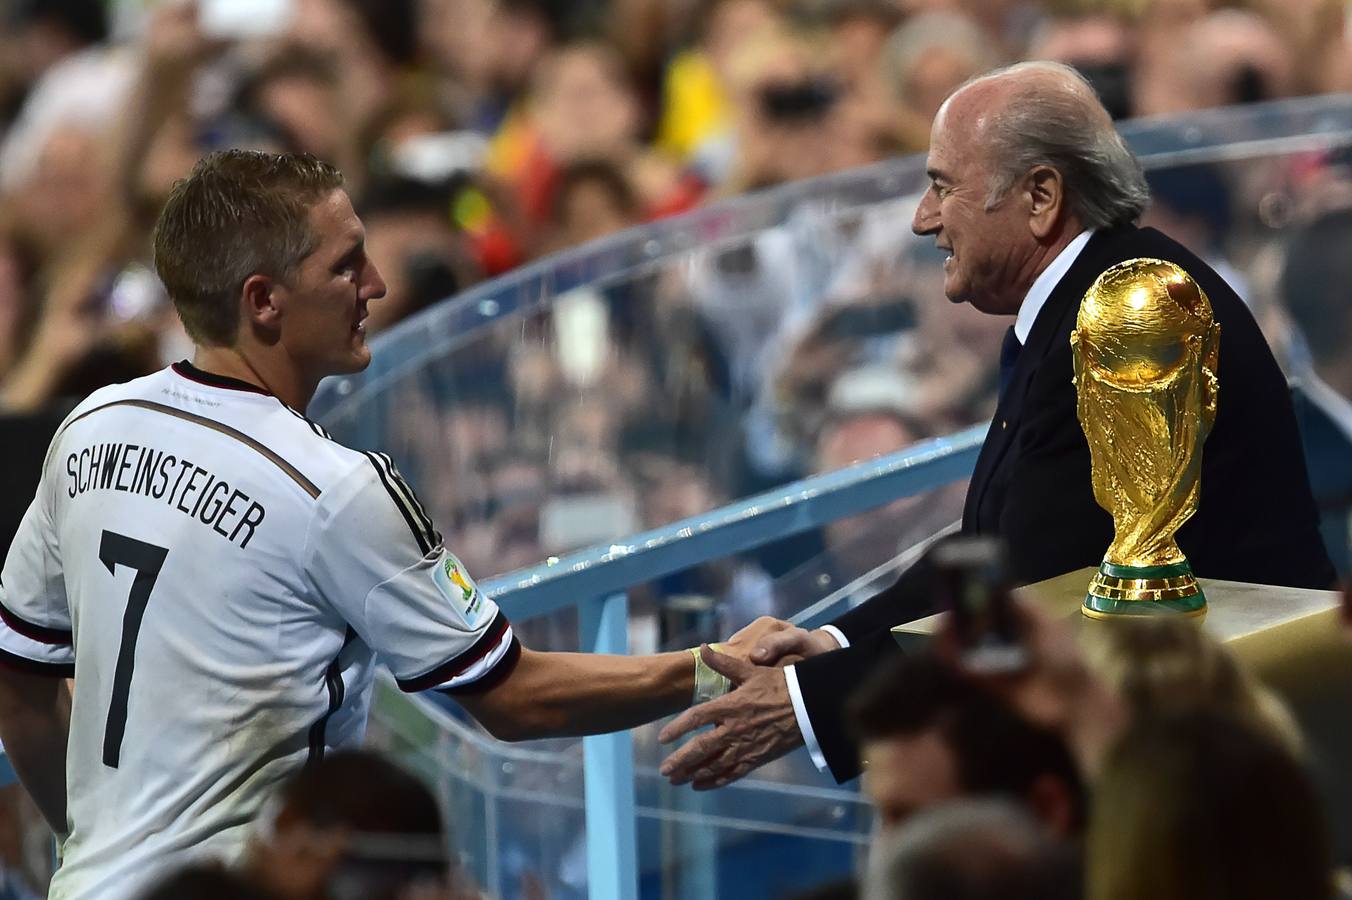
column 1145, row 347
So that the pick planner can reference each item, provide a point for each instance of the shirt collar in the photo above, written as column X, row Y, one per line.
column 1042, row 288
column 187, row 370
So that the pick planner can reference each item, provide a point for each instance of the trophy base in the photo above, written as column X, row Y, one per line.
column 1117, row 591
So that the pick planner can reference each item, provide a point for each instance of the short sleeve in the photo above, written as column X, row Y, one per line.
column 35, row 629
column 375, row 557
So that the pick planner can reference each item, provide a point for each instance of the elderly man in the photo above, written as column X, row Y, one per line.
column 1033, row 195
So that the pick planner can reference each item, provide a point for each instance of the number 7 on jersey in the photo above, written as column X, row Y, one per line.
column 119, row 550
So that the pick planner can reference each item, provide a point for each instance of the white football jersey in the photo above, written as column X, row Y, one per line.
column 219, row 577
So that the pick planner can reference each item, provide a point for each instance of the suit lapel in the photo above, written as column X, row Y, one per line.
column 1050, row 327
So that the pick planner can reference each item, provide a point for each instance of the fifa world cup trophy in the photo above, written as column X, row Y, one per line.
column 1145, row 347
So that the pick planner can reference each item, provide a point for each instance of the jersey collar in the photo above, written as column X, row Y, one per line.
column 201, row 376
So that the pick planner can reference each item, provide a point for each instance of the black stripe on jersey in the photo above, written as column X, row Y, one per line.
column 419, row 509
column 306, row 484
column 457, row 665
column 333, row 680
column 314, row 426
column 415, row 505
column 505, row 667
column 420, row 533
column 34, row 667
column 35, row 632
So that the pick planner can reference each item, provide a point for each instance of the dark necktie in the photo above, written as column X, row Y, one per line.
column 1009, row 355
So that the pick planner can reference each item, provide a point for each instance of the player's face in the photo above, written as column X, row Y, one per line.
column 325, row 302
column 989, row 246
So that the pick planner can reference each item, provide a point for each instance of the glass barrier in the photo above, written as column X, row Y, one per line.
column 753, row 346
column 672, row 369
column 667, row 372
column 518, row 823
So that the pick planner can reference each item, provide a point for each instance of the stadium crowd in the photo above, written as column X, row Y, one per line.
column 479, row 135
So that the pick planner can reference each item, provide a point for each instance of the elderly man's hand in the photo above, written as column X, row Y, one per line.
column 753, row 724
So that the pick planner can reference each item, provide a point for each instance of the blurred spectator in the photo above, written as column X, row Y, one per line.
column 923, row 61
column 971, row 850
column 295, row 95
column 1314, row 280
column 593, row 199
column 18, row 825
column 1167, row 665
column 1100, row 45
column 1228, row 57
column 836, row 890
column 929, row 736
column 696, row 118
column 1192, row 204
column 1201, row 806
column 581, row 106
column 424, row 256
column 207, row 882
column 67, row 77
column 788, row 123
column 351, row 825
column 491, row 48
column 864, row 423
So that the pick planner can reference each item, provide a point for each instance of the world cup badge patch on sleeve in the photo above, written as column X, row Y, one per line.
column 459, row 588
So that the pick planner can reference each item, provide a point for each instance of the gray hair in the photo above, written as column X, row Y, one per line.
column 969, row 850
column 1104, row 183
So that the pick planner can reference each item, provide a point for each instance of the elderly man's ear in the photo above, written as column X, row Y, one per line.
column 1046, row 201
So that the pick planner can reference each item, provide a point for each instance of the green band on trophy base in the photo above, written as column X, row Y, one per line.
column 1137, row 572
column 1143, row 591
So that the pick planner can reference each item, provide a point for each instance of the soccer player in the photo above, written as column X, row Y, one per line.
column 219, row 576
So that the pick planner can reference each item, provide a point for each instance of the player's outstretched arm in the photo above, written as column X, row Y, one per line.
column 570, row 694
column 34, row 728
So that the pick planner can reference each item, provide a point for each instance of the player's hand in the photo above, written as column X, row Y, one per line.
column 752, row 725
column 789, row 644
column 745, row 642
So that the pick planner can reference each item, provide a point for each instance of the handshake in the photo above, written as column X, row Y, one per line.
column 755, row 721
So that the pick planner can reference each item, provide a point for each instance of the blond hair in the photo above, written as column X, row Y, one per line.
column 1167, row 664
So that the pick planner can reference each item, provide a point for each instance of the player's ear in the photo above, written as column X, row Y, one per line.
column 260, row 301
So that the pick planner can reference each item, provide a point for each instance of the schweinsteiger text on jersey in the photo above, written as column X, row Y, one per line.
column 189, row 488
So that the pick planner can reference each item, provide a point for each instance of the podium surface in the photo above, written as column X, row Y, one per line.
column 1291, row 638
column 1260, row 621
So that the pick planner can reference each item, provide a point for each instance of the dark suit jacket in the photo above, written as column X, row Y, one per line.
column 1328, row 454
column 1256, row 520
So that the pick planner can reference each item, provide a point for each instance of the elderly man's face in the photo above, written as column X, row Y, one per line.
column 990, row 248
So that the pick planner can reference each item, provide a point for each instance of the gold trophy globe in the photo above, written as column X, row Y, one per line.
column 1145, row 347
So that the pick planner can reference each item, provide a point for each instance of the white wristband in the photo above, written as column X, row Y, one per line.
column 708, row 683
